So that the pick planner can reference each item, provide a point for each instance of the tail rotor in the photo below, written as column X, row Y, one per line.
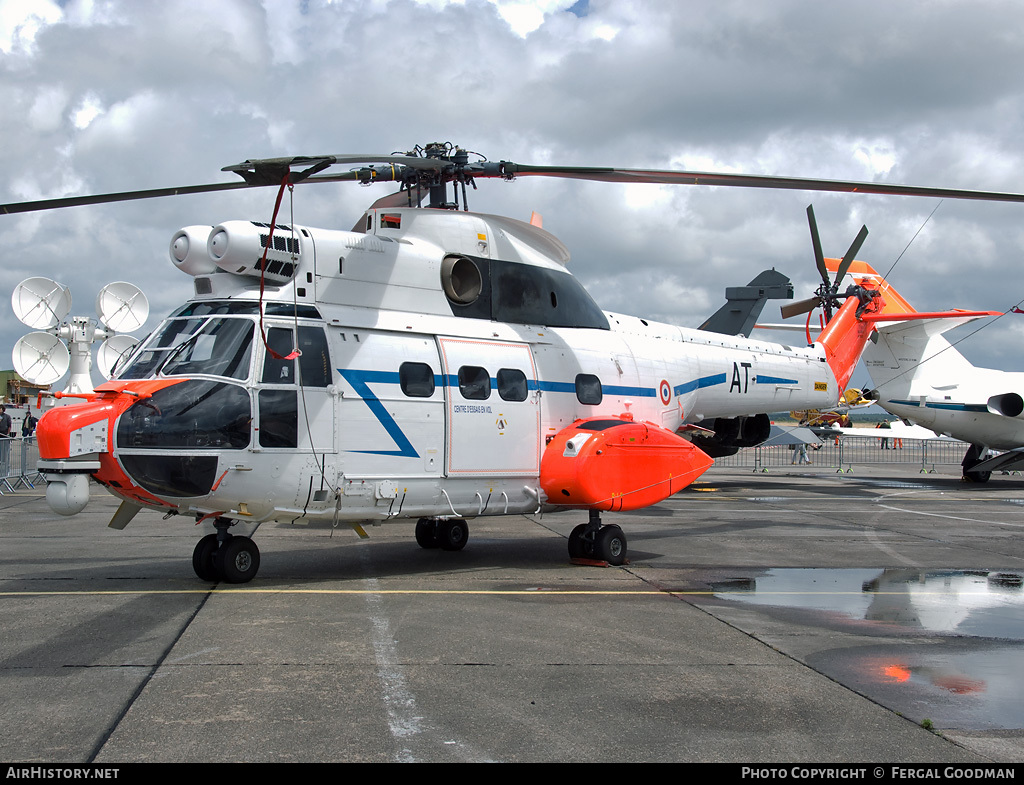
column 827, row 294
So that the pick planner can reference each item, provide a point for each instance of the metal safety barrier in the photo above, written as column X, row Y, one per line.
column 843, row 453
column 18, row 459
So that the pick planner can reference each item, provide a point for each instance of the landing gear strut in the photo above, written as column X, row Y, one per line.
column 973, row 457
column 450, row 534
column 601, row 543
column 225, row 557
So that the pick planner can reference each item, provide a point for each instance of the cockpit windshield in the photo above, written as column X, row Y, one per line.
column 192, row 347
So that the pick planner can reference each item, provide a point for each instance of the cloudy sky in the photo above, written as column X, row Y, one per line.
column 127, row 94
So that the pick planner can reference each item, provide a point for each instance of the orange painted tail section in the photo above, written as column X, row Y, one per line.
column 845, row 337
column 863, row 272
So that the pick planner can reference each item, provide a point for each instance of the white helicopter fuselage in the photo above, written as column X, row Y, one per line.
column 440, row 353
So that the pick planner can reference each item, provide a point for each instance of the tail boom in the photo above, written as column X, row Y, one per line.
column 845, row 337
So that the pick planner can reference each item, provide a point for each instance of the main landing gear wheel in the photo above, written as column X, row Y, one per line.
column 972, row 459
column 610, row 545
column 579, row 547
column 600, row 543
column 238, row 560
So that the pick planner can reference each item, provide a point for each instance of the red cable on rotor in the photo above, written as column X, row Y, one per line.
column 263, row 270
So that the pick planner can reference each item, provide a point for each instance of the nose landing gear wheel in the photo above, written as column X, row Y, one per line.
column 202, row 558
column 238, row 560
column 452, row 534
column 426, row 533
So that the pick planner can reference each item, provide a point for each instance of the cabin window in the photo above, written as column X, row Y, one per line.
column 417, row 379
column 474, row 383
column 588, row 389
column 512, row 384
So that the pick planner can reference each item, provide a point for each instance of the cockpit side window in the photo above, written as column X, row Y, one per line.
column 315, row 360
column 279, row 371
column 314, row 357
column 193, row 347
column 145, row 361
column 222, row 348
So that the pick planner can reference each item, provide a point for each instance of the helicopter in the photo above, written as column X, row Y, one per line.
column 430, row 364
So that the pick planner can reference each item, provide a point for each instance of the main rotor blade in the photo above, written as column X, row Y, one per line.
column 125, row 196
column 850, row 254
column 673, row 177
column 819, row 257
column 800, row 306
column 155, row 193
column 270, row 172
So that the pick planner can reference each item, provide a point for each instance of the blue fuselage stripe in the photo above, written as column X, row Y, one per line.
column 952, row 407
column 696, row 384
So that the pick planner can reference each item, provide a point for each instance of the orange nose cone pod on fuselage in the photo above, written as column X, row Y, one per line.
column 610, row 463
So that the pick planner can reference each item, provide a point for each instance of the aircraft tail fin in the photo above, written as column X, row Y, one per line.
column 860, row 272
column 907, row 339
column 744, row 303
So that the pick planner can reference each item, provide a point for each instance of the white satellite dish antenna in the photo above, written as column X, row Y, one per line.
column 111, row 351
column 41, row 303
column 122, row 307
column 41, row 358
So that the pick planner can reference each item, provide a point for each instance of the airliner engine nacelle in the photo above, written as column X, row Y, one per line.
column 1008, row 404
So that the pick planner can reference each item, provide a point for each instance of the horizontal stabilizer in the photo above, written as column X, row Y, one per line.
column 964, row 316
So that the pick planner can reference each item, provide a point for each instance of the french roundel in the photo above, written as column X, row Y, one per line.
column 665, row 392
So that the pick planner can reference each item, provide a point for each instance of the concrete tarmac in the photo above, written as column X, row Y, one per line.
column 797, row 616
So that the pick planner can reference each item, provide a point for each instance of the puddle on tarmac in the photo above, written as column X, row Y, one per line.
column 981, row 603
column 948, row 646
